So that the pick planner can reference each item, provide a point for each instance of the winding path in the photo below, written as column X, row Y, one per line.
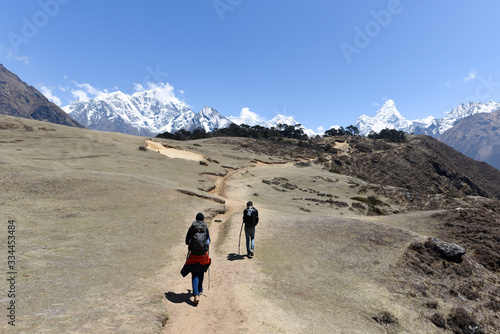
column 226, row 306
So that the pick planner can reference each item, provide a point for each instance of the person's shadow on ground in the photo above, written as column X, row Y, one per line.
column 179, row 298
column 234, row 256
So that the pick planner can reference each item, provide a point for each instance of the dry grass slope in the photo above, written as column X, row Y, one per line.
column 101, row 225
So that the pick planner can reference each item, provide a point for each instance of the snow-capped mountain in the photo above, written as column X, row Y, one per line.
column 388, row 117
column 145, row 113
column 438, row 126
column 154, row 111
column 252, row 119
column 210, row 119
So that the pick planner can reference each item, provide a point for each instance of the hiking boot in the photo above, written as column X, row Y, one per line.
column 196, row 299
column 251, row 252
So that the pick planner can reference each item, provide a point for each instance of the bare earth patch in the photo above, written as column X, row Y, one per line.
column 173, row 152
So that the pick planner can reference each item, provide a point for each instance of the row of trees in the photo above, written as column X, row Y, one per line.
column 351, row 130
column 280, row 131
column 243, row 130
column 392, row 135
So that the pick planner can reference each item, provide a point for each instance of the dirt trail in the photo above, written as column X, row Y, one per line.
column 229, row 305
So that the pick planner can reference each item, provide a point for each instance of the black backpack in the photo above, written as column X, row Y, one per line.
column 250, row 217
column 198, row 242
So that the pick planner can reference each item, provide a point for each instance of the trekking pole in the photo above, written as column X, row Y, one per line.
column 209, row 274
column 239, row 240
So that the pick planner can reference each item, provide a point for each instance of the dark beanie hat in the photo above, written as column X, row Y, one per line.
column 200, row 217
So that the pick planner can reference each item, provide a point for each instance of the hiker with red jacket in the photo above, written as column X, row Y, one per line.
column 250, row 219
column 198, row 260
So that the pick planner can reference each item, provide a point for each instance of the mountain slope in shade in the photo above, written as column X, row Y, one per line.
column 21, row 100
column 477, row 136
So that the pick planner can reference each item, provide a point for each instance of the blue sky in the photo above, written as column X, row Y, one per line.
column 323, row 62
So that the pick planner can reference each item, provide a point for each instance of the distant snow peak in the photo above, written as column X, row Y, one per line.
column 210, row 119
column 252, row 119
column 281, row 119
column 388, row 117
column 388, row 110
column 146, row 112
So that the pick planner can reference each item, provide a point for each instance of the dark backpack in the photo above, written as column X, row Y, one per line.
column 198, row 242
column 250, row 217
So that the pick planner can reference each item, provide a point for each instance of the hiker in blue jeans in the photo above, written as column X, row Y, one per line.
column 198, row 260
column 250, row 219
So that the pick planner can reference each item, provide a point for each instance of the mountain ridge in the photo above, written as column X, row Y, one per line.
column 477, row 136
column 146, row 113
column 19, row 99
column 389, row 117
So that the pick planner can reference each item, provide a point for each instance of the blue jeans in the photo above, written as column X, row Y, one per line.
column 250, row 238
column 197, row 279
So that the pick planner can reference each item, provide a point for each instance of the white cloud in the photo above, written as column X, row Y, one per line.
column 246, row 113
column 248, row 117
column 80, row 95
column 378, row 104
column 472, row 75
column 139, row 87
column 320, row 129
column 10, row 55
column 84, row 92
column 94, row 92
column 48, row 94
column 23, row 59
column 162, row 91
